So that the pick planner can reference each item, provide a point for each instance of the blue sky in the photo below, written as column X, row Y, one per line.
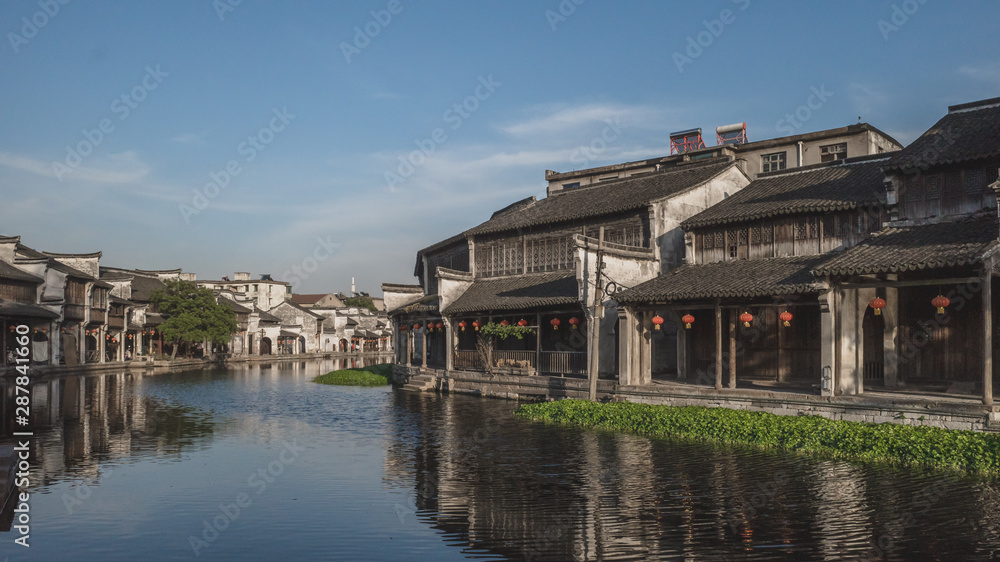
column 116, row 113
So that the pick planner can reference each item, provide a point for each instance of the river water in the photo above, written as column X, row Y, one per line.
column 259, row 463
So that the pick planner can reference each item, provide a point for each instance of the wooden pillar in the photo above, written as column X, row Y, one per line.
column 732, row 348
column 538, row 343
column 423, row 346
column 988, row 335
column 624, row 346
column 450, row 341
column 410, row 336
column 682, row 349
column 718, row 345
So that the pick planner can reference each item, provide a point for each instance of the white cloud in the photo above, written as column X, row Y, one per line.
column 562, row 119
column 124, row 167
column 867, row 100
column 987, row 72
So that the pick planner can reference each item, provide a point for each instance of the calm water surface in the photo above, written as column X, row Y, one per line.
column 258, row 463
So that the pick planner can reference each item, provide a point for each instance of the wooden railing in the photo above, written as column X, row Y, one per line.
column 116, row 322
column 517, row 359
column 564, row 362
column 552, row 362
column 467, row 359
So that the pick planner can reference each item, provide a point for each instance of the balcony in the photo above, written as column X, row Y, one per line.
column 98, row 316
column 75, row 312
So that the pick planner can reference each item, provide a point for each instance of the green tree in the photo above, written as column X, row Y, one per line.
column 490, row 334
column 192, row 315
column 361, row 302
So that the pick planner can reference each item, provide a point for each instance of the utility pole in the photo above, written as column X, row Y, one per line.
column 598, row 309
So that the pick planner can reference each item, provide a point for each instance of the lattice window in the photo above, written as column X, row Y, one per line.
column 952, row 184
column 932, row 187
column 973, row 182
column 874, row 221
column 719, row 243
column 755, row 235
column 708, row 241
column 742, row 237
column 801, row 230
column 813, row 228
column 768, row 234
column 731, row 243
column 829, row 228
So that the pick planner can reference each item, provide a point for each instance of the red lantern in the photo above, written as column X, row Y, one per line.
column 462, row 325
column 657, row 320
column 688, row 320
column 416, row 326
column 746, row 318
column 878, row 304
column 940, row 302
column 504, row 323
column 522, row 322
column 439, row 326
column 476, row 326
column 786, row 317
column 574, row 321
column 555, row 323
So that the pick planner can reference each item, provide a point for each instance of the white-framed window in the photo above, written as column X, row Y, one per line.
column 772, row 162
column 832, row 152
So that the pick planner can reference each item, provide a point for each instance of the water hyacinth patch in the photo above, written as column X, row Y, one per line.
column 886, row 442
column 376, row 375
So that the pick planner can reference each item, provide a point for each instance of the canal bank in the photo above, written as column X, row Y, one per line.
column 149, row 364
column 947, row 412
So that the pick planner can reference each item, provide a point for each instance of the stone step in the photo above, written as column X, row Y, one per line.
column 415, row 388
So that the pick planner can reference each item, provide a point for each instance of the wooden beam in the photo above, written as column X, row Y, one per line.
column 915, row 283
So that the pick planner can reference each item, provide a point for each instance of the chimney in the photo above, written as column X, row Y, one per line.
column 353, row 292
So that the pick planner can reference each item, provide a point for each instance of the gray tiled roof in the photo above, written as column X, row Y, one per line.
column 729, row 279
column 8, row 271
column 606, row 198
column 143, row 287
column 518, row 293
column 856, row 182
column 24, row 310
column 907, row 248
column 969, row 131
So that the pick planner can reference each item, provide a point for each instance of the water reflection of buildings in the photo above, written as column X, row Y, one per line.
column 80, row 422
column 496, row 485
